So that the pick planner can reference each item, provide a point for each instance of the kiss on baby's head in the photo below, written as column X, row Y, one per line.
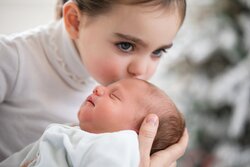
column 124, row 104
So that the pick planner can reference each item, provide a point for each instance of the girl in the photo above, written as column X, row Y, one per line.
column 45, row 73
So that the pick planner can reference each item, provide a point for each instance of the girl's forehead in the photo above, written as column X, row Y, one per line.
column 155, row 28
column 158, row 27
column 135, row 10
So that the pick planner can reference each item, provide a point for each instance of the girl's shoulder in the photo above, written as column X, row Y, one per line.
column 34, row 33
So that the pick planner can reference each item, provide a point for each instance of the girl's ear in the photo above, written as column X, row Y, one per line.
column 71, row 17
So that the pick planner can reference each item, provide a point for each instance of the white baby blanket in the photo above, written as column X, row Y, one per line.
column 64, row 146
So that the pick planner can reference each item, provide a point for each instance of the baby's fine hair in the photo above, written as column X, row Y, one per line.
column 171, row 122
column 96, row 7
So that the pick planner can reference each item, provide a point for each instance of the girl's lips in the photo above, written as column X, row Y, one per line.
column 90, row 100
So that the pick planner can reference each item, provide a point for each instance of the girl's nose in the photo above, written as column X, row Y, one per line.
column 99, row 90
column 138, row 67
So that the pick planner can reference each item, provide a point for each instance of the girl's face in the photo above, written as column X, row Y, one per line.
column 126, row 42
column 114, row 107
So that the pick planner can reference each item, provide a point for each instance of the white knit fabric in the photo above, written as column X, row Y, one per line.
column 65, row 146
column 42, row 81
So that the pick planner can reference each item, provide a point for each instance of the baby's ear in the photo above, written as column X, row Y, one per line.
column 72, row 17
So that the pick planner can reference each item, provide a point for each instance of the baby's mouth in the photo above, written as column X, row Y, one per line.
column 90, row 100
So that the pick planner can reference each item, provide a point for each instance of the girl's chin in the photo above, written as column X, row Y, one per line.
column 107, row 82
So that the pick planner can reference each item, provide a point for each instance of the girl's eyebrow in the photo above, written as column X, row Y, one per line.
column 166, row 46
column 139, row 41
column 131, row 38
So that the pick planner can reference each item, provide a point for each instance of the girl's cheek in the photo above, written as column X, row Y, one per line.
column 153, row 68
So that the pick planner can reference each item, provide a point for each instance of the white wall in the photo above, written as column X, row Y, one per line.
column 20, row 15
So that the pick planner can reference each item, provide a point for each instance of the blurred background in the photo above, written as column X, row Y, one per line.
column 20, row 15
column 207, row 74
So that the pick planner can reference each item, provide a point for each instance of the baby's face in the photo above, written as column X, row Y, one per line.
column 113, row 108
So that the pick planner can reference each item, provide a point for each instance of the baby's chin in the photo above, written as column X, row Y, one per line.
column 89, row 129
column 78, row 115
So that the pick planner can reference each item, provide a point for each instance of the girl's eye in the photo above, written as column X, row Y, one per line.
column 158, row 53
column 125, row 46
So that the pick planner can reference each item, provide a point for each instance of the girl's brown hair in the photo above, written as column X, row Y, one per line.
column 96, row 7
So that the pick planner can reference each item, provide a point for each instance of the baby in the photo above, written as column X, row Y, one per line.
column 124, row 104
column 118, row 108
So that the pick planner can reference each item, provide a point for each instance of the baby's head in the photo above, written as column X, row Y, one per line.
column 124, row 104
column 171, row 122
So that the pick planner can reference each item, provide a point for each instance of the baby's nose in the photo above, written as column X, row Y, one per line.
column 99, row 90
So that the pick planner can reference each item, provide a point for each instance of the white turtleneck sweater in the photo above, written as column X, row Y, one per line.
column 42, row 81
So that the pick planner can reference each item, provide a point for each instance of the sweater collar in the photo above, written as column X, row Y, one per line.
column 66, row 59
